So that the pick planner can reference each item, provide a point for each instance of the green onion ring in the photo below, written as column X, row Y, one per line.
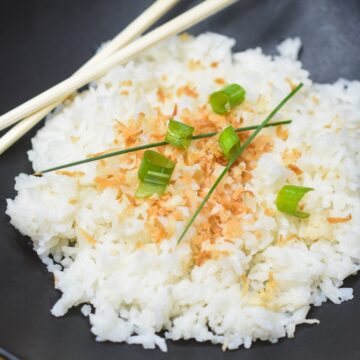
column 154, row 173
column 229, row 142
column 227, row 98
column 179, row 134
column 288, row 198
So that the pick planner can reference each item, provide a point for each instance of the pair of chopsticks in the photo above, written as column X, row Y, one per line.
column 120, row 50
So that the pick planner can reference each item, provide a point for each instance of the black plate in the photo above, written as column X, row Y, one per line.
column 41, row 43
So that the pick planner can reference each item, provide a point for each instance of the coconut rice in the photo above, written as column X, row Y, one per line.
column 244, row 271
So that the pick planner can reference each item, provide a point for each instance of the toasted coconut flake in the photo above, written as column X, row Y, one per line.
column 219, row 81
column 233, row 228
column 268, row 295
column 282, row 241
column 132, row 200
column 130, row 132
column 102, row 163
column 110, row 180
column 337, row 220
column 290, row 156
column 161, row 95
column 87, row 236
column 282, row 133
column 295, row 169
column 178, row 216
column 157, row 231
column 261, row 145
column 188, row 91
column 70, row 173
column 102, row 152
column 292, row 236
column 72, row 201
column 175, row 110
column 202, row 257
column 315, row 100
column 195, row 65
column 269, row 212
column 206, row 255
column 126, row 83
column 291, row 83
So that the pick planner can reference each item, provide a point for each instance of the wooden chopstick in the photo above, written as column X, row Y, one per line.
column 59, row 91
column 133, row 30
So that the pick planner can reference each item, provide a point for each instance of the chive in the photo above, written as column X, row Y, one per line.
column 234, row 158
column 227, row 98
column 288, row 199
column 179, row 134
column 148, row 146
column 154, row 173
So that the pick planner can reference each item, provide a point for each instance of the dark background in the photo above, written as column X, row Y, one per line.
column 44, row 41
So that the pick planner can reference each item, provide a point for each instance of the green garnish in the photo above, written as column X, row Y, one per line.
column 234, row 158
column 179, row 134
column 288, row 199
column 229, row 142
column 227, row 98
column 154, row 173
column 148, row 146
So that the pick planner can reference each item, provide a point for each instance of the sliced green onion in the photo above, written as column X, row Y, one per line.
column 227, row 98
column 233, row 159
column 219, row 102
column 229, row 142
column 155, row 168
column 154, row 173
column 288, row 199
column 236, row 94
column 179, row 134
column 145, row 189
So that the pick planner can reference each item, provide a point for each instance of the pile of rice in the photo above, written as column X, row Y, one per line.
column 245, row 271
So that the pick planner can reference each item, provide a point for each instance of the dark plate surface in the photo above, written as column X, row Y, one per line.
column 42, row 42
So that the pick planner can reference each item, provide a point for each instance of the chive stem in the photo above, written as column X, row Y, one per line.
column 103, row 156
column 232, row 161
column 148, row 146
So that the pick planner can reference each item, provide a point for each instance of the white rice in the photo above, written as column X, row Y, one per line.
column 273, row 272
